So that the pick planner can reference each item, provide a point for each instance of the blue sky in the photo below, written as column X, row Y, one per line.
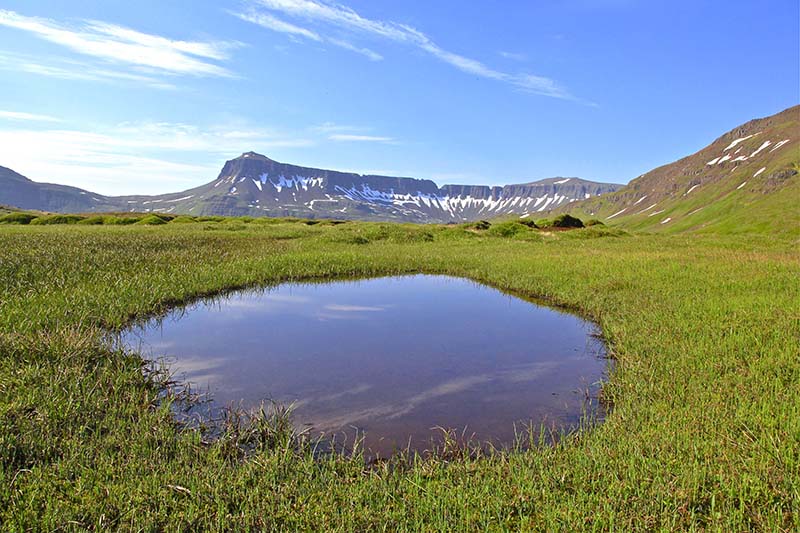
column 151, row 96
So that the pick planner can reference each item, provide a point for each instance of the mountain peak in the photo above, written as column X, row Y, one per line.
column 255, row 155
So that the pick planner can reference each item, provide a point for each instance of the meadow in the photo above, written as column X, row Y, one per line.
column 703, row 430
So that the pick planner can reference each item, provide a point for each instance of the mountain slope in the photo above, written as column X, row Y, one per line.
column 745, row 180
column 255, row 185
column 18, row 191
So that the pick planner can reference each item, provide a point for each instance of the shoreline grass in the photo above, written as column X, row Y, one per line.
column 704, row 433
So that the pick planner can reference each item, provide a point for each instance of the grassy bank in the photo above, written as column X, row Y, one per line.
column 704, row 432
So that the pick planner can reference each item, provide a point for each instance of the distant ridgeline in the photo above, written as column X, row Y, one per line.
column 746, row 180
column 255, row 185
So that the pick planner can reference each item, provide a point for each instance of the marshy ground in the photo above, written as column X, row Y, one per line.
column 704, row 432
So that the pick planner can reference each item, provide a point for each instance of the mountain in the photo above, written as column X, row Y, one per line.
column 745, row 180
column 255, row 185
column 18, row 191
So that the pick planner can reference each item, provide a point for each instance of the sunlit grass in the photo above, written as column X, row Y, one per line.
column 704, row 431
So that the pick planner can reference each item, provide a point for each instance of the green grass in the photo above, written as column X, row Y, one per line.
column 704, row 433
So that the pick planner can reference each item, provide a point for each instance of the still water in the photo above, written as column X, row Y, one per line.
column 391, row 357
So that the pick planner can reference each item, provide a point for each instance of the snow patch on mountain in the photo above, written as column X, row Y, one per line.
column 737, row 141
column 765, row 145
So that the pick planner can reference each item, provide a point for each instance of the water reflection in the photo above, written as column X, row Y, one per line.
column 394, row 357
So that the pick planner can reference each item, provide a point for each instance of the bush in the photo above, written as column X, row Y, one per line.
column 122, row 221
column 151, row 220
column 561, row 221
column 593, row 222
column 17, row 218
column 529, row 223
column 508, row 229
column 480, row 225
column 567, row 221
column 56, row 219
column 93, row 221
column 209, row 219
column 183, row 219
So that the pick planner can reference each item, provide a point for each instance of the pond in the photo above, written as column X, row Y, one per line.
column 389, row 358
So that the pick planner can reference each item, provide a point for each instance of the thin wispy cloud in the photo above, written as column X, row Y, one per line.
column 323, row 13
column 121, row 45
column 366, row 52
column 27, row 117
column 348, row 137
column 514, row 56
column 271, row 22
column 347, row 133
column 342, row 308
column 332, row 127
column 65, row 69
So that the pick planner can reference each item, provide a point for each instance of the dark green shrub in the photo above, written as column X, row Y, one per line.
column 56, row 219
column 567, row 221
column 529, row 223
column 183, row 219
column 17, row 218
column 122, row 221
column 480, row 225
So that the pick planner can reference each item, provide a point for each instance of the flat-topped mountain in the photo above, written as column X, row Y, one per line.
column 745, row 179
column 255, row 185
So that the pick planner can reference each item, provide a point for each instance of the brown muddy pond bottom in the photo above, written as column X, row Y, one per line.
column 389, row 359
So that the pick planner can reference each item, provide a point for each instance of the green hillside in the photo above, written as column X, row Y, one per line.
column 745, row 181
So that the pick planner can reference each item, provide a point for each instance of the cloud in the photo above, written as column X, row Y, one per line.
column 345, row 18
column 366, row 52
column 32, row 117
column 132, row 158
column 118, row 44
column 270, row 22
column 513, row 56
column 332, row 127
column 345, row 133
column 353, row 308
column 344, row 416
column 76, row 70
column 347, row 137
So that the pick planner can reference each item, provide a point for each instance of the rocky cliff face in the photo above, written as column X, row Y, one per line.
column 253, row 184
